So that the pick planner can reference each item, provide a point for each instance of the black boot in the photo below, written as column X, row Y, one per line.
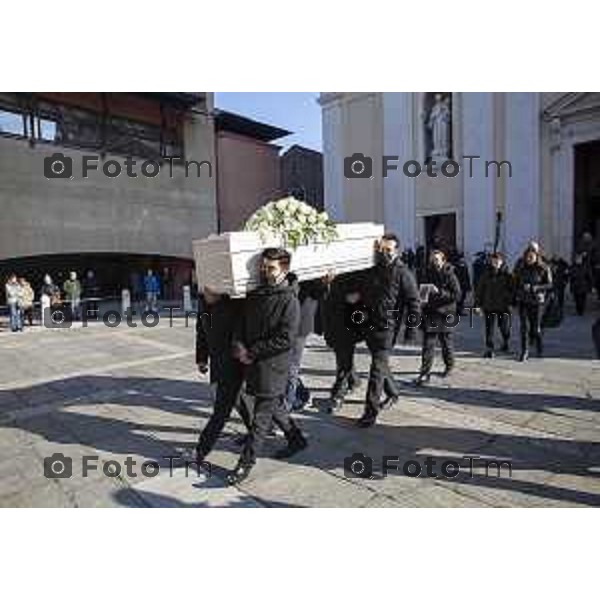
column 524, row 355
column 389, row 402
column 447, row 371
column 239, row 474
column 296, row 443
column 367, row 420
column 539, row 347
column 505, row 347
column 489, row 353
column 422, row 379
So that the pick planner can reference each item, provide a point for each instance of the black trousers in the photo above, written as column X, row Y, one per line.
column 596, row 336
column 429, row 342
column 503, row 320
column 228, row 396
column 345, row 374
column 264, row 410
column 380, row 375
column 530, row 316
column 580, row 302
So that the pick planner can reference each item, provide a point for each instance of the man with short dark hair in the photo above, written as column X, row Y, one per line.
column 266, row 331
column 389, row 290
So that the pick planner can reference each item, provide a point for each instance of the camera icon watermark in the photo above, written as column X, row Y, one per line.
column 57, row 318
column 358, row 466
column 58, row 466
column 358, row 166
column 58, row 166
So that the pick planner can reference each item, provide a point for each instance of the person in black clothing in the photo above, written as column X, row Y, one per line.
column 560, row 277
column 596, row 336
column 341, row 339
column 214, row 332
column 389, row 291
column 297, row 395
column 264, row 335
column 462, row 273
column 439, row 315
column 581, row 283
column 533, row 281
column 494, row 295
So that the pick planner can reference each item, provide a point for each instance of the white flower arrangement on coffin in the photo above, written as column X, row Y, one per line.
column 295, row 222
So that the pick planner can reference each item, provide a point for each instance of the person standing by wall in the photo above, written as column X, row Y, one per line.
column 72, row 290
column 27, row 298
column 14, row 301
column 152, row 291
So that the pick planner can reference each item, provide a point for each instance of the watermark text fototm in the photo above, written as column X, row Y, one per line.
column 361, row 466
column 59, row 166
column 360, row 166
column 59, row 466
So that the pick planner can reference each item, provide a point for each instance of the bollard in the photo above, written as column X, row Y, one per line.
column 187, row 299
column 125, row 301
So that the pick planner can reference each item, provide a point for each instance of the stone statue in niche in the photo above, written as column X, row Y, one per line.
column 438, row 124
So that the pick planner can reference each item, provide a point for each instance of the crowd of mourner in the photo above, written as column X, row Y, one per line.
column 253, row 346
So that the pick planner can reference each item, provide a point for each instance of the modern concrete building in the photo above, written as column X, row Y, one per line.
column 550, row 192
column 56, row 218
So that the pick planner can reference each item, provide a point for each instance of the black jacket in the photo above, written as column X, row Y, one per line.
column 581, row 279
column 215, row 326
column 439, row 314
column 495, row 290
column 268, row 327
column 390, row 293
column 334, row 310
column 532, row 282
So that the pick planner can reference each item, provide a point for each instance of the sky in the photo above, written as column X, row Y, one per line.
column 297, row 112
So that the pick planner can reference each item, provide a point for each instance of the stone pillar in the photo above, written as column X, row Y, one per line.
column 523, row 208
column 479, row 211
column 399, row 191
column 333, row 160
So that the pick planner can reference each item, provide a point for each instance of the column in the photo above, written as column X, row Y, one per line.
column 523, row 208
column 399, row 191
column 479, row 212
column 333, row 160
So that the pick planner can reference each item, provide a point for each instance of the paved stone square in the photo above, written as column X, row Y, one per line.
column 118, row 393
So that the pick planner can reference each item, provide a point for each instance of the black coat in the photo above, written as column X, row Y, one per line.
column 495, row 290
column 267, row 328
column 215, row 326
column 439, row 313
column 532, row 283
column 334, row 309
column 390, row 293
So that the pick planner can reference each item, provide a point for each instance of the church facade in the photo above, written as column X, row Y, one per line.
column 472, row 171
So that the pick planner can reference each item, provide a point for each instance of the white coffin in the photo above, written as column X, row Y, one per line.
column 228, row 263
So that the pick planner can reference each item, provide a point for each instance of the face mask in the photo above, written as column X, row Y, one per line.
column 385, row 259
column 270, row 280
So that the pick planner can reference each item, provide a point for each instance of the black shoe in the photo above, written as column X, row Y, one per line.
column 354, row 383
column 297, row 444
column 447, row 372
column 366, row 421
column 505, row 347
column 488, row 354
column 335, row 404
column 389, row 402
column 239, row 474
column 524, row 356
column 422, row 379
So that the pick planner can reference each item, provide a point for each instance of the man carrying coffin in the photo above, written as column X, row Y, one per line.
column 265, row 333
column 390, row 291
